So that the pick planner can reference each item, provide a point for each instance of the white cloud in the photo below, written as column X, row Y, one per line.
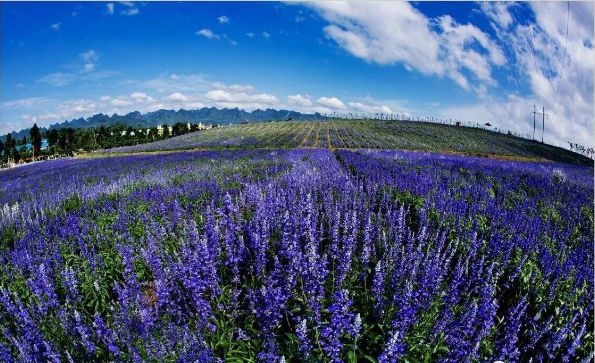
column 23, row 102
column 89, row 56
column 250, row 35
column 459, row 55
column 498, row 12
column 223, row 19
column 141, row 97
column 131, row 11
column 369, row 108
column 89, row 59
column 168, row 84
column 266, row 35
column 56, row 26
column 223, row 96
column 559, row 74
column 131, row 8
column 233, row 87
column 189, row 91
column 177, row 96
column 331, row 102
column 439, row 47
column 300, row 100
column 57, row 79
column 121, row 101
column 207, row 33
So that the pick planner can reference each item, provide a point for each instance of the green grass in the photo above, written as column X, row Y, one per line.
column 361, row 134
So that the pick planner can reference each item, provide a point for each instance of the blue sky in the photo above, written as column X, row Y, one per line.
column 480, row 62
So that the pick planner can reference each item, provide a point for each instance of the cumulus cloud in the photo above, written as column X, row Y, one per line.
column 171, row 83
column 56, row 26
column 498, row 11
column 207, row 33
column 229, row 99
column 369, row 108
column 141, row 97
column 266, row 35
column 121, row 101
column 300, row 100
column 558, row 70
column 109, row 8
column 331, row 102
column 439, row 47
column 177, row 96
column 223, row 19
column 233, row 87
column 175, row 91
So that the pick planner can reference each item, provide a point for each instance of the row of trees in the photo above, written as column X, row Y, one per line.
column 9, row 149
column 577, row 148
column 67, row 141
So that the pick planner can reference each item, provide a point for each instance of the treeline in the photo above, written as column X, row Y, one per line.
column 586, row 151
column 69, row 141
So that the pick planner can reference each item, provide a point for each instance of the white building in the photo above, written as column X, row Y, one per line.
column 160, row 129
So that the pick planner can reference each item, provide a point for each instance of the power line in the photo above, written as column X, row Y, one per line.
column 564, row 56
column 534, row 56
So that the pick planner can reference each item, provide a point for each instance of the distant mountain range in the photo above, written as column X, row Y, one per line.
column 210, row 115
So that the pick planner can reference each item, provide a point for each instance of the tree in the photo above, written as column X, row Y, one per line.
column 179, row 129
column 71, row 136
column 153, row 133
column 52, row 137
column 166, row 130
column 1, row 148
column 9, row 145
column 102, row 135
column 86, row 140
column 15, row 152
column 35, row 139
column 62, row 139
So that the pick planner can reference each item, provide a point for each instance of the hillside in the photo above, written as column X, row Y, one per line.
column 210, row 115
column 363, row 134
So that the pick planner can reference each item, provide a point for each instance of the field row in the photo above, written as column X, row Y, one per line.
column 373, row 134
column 296, row 255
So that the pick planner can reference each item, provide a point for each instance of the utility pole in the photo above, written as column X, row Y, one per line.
column 534, row 111
column 543, row 115
column 542, row 123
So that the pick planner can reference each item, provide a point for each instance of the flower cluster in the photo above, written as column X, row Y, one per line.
column 296, row 255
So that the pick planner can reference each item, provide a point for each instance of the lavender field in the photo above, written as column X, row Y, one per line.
column 296, row 255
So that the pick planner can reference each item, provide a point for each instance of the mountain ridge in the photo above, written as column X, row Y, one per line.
column 211, row 115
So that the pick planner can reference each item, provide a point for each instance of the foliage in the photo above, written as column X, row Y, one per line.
column 296, row 255
column 364, row 134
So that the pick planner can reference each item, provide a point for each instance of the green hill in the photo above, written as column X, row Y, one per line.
column 360, row 134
